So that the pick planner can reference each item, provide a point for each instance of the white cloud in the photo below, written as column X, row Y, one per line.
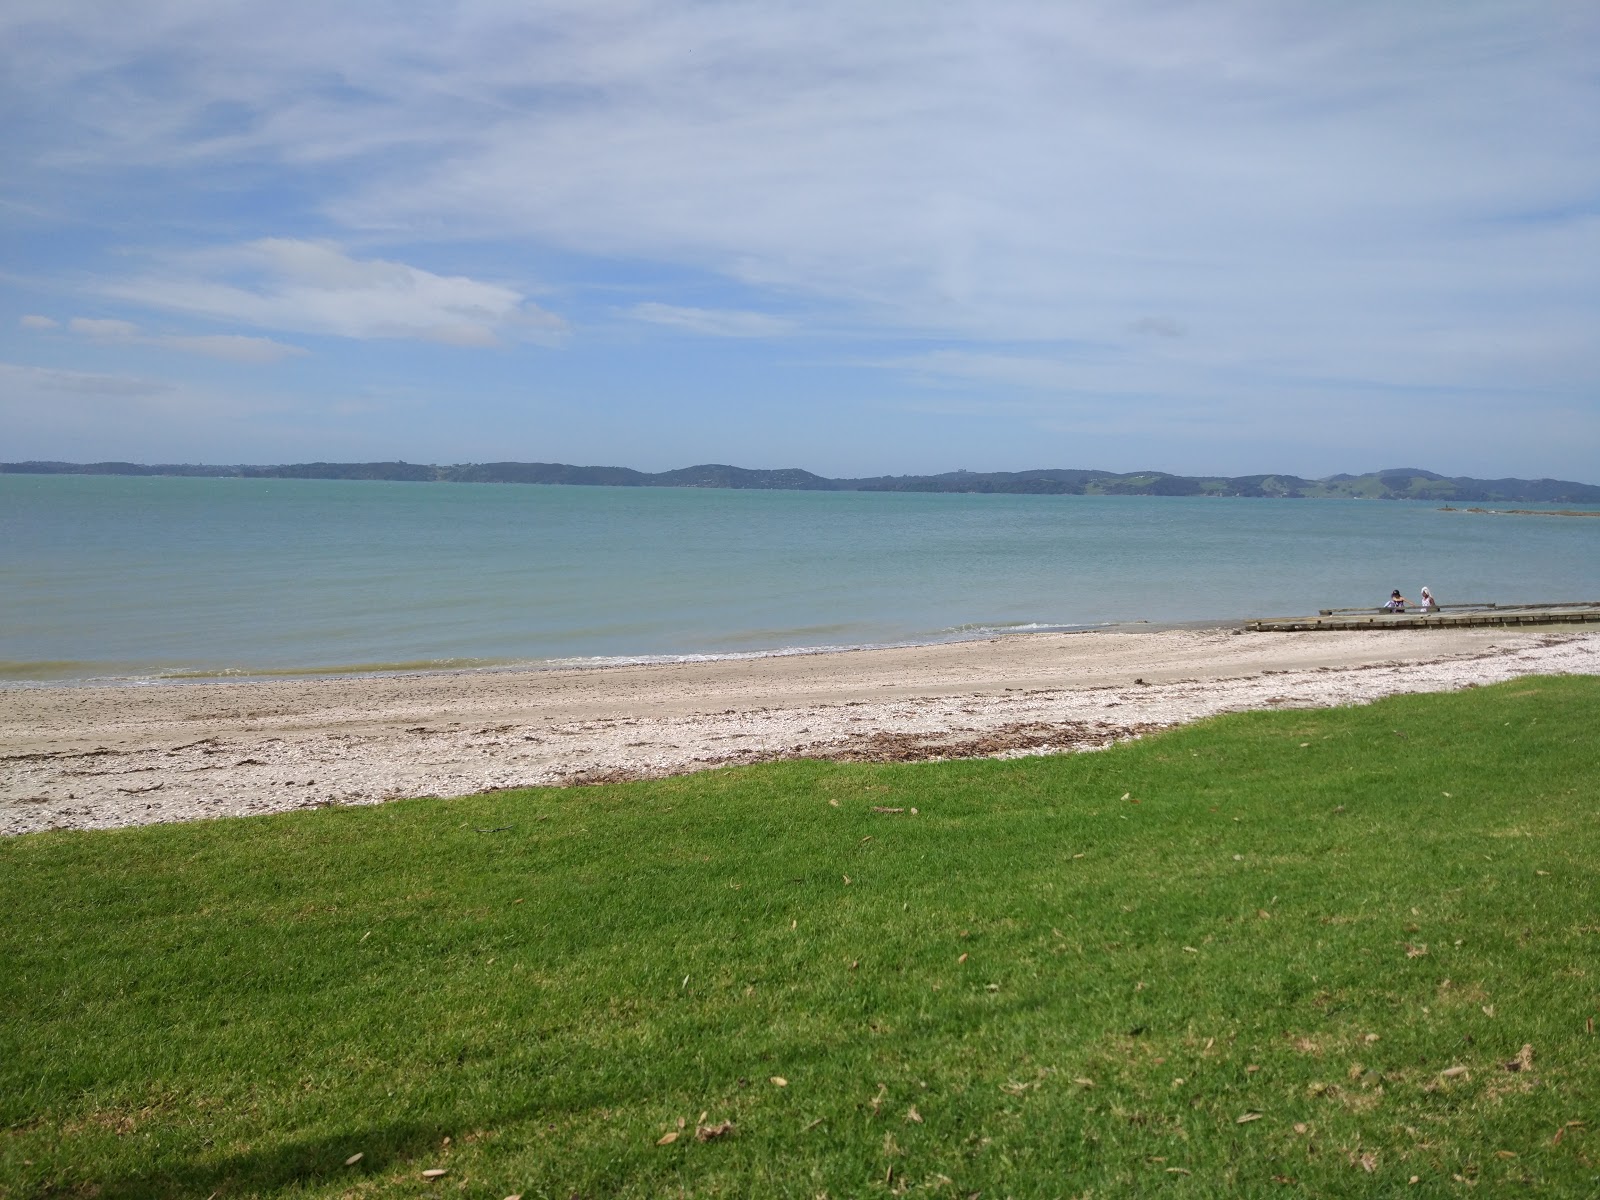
column 34, row 321
column 317, row 288
column 231, row 347
column 714, row 322
column 103, row 330
column 83, row 383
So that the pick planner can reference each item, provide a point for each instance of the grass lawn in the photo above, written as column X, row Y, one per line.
column 1275, row 954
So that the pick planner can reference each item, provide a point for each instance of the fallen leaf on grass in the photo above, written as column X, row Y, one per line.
column 1177, row 1171
column 913, row 1115
column 353, row 1159
column 666, row 1139
column 1523, row 1061
column 1084, row 1083
column 1247, row 1118
column 1368, row 1162
column 835, row 803
column 706, row 1133
column 779, row 1081
column 1418, row 951
column 1505, row 1153
column 1190, row 950
column 1453, row 1072
column 435, row 1172
column 881, row 808
column 962, row 959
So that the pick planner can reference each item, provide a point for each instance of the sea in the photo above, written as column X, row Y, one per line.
column 150, row 580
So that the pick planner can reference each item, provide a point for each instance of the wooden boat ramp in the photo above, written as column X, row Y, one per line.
column 1446, row 616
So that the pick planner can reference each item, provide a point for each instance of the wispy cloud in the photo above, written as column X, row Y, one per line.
column 83, row 383
column 713, row 322
column 317, row 288
column 228, row 346
column 106, row 329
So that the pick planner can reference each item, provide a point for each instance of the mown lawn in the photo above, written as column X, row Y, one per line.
column 1275, row 954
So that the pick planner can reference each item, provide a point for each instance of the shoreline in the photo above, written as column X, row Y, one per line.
column 84, row 756
column 178, row 677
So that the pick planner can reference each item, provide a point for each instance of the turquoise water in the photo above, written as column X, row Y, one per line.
column 142, row 578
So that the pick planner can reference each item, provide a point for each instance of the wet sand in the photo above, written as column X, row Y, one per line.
column 102, row 757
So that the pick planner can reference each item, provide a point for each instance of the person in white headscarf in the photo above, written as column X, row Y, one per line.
column 1426, row 602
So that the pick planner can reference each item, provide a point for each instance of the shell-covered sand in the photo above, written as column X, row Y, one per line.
column 101, row 757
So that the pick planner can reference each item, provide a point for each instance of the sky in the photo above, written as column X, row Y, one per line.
column 903, row 236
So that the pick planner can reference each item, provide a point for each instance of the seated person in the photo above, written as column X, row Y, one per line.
column 1397, row 602
column 1426, row 602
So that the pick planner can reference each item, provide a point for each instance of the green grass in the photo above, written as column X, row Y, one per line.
column 1308, row 916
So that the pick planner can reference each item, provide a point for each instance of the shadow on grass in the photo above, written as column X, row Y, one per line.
column 309, row 1161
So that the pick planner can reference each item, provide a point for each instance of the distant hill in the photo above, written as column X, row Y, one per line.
column 1399, row 483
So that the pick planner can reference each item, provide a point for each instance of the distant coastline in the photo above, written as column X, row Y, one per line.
column 1402, row 483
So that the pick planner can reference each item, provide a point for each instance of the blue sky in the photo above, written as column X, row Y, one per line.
column 851, row 237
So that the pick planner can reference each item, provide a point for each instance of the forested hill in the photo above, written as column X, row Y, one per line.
column 1404, row 483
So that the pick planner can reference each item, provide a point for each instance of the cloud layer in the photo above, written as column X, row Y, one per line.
column 1159, row 203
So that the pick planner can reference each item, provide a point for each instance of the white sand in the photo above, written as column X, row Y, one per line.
column 97, row 757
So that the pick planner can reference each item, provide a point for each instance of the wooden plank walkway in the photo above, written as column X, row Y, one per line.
column 1451, row 616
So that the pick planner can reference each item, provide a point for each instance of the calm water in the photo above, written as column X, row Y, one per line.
column 128, row 578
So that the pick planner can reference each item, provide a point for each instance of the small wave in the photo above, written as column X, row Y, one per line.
column 994, row 628
column 84, row 674
column 646, row 660
column 381, row 668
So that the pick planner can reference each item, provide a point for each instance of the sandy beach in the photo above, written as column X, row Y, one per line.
column 102, row 757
